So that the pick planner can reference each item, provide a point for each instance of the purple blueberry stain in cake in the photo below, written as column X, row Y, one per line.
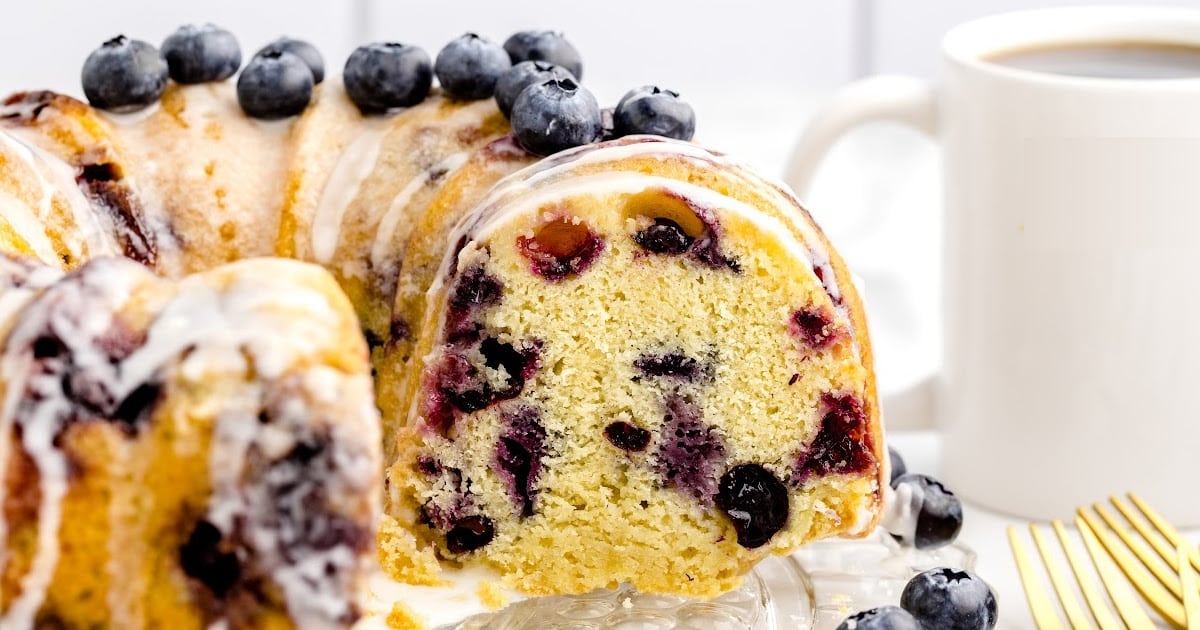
column 756, row 501
column 519, row 365
column 815, row 326
column 843, row 443
column 455, row 384
column 689, row 450
column 675, row 365
column 560, row 248
column 470, row 533
column 452, row 386
column 474, row 290
column 519, row 454
column 627, row 436
column 462, row 384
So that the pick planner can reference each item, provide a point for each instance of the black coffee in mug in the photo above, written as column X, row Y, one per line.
column 1108, row 60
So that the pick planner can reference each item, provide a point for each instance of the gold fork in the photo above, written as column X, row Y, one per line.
column 1159, row 563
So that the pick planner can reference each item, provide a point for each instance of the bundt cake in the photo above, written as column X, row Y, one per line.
column 631, row 361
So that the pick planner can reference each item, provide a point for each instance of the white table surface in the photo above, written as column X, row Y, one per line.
column 984, row 531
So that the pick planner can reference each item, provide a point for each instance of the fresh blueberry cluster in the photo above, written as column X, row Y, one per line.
column 534, row 78
column 129, row 74
column 550, row 111
column 937, row 599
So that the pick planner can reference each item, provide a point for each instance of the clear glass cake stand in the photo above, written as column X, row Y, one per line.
column 815, row 588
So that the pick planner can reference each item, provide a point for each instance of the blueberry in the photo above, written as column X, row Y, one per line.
column 521, row 76
column 934, row 513
column 469, row 67
column 302, row 49
column 656, row 111
column 275, row 84
column 554, row 115
column 897, row 464
column 199, row 54
column 882, row 618
column 544, row 46
column 124, row 75
column 950, row 599
column 664, row 237
column 626, row 436
column 756, row 501
column 470, row 533
column 384, row 76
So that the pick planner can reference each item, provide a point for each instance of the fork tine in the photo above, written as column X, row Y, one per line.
column 1158, row 597
column 1039, row 603
column 1084, row 576
column 1167, row 576
column 1188, row 580
column 1165, row 528
column 1058, row 579
column 1165, row 550
column 1127, row 605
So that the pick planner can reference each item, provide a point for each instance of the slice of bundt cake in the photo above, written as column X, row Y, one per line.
column 643, row 364
column 179, row 454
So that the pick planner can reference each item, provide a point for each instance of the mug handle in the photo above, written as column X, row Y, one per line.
column 884, row 98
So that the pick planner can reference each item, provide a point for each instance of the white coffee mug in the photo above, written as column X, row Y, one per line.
column 1071, row 262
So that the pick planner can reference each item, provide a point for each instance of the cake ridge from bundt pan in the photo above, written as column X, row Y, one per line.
column 634, row 360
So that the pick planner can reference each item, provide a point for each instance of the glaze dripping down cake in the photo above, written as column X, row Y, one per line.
column 242, row 328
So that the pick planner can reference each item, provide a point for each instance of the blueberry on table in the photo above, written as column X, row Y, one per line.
column 275, row 85
column 653, row 110
column 469, row 67
column 897, row 464
column 517, row 78
column 544, row 46
column 201, row 53
column 938, row 513
column 881, row 618
column 383, row 76
column 302, row 49
column 950, row 599
column 124, row 75
column 554, row 115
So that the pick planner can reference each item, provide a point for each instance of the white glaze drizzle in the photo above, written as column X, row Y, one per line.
column 19, row 283
column 396, row 209
column 279, row 325
column 26, row 226
column 901, row 508
column 61, row 181
column 629, row 147
column 78, row 311
column 356, row 163
column 31, row 227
